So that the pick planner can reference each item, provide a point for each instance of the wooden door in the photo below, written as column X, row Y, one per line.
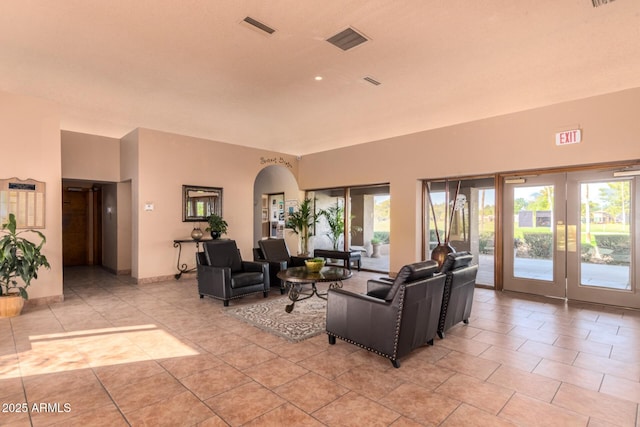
column 74, row 228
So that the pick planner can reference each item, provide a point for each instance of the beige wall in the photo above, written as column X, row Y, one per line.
column 526, row 140
column 166, row 162
column 30, row 142
column 92, row 157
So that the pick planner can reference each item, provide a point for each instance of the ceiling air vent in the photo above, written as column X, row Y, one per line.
column 259, row 25
column 347, row 39
column 372, row 81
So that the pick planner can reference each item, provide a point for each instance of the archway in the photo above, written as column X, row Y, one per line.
column 273, row 180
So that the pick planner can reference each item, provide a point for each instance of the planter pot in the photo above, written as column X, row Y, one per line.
column 11, row 305
column 440, row 252
column 215, row 235
column 375, row 250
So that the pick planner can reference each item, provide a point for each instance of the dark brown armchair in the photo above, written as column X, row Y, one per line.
column 222, row 274
column 392, row 319
column 458, row 290
column 276, row 253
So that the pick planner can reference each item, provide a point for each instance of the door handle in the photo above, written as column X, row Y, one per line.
column 572, row 241
column 560, row 236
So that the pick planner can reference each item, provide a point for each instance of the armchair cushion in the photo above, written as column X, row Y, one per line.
column 274, row 250
column 248, row 278
column 411, row 273
column 223, row 253
column 456, row 260
column 378, row 289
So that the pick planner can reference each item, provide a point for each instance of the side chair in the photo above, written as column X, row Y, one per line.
column 223, row 275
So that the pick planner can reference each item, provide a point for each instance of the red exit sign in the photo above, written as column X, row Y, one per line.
column 569, row 137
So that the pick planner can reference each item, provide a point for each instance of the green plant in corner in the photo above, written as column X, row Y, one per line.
column 335, row 220
column 20, row 259
column 217, row 225
column 301, row 222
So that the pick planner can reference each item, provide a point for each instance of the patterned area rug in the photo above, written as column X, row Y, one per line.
column 305, row 321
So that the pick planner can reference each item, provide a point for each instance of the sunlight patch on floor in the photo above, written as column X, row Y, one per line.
column 58, row 352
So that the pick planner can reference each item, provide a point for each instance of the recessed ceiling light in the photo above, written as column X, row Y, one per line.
column 318, row 78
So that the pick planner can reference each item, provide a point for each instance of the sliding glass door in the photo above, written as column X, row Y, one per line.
column 461, row 212
column 355, row 219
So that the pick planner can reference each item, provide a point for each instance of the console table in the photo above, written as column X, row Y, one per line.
column 184, row 268
column 347, row 256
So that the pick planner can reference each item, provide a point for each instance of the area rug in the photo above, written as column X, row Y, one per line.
column 305, row 321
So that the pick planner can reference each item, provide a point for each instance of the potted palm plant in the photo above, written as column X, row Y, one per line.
column 217, row 226
column 20, row 260
column 301, row 222
column 334, row 215
column 335, row 220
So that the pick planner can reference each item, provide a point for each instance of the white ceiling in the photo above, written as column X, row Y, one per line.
column 191, row 67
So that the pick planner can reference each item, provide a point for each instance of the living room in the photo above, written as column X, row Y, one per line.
column 145, row 168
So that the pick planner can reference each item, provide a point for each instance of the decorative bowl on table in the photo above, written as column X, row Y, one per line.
column 314, row 265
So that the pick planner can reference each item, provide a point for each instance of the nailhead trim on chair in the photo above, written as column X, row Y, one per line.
column 446, row 296
column 234, row 297
column 395, row 338
column 398, row 321
column 362, row 346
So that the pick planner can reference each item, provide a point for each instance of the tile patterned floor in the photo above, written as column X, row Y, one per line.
column 115, row 353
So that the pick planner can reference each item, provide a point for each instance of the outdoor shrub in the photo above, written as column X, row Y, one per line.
column 540, row 245
column 586, row 252
column 383, row 236
column 615, row 242
column 486, row 241
column 614, row 248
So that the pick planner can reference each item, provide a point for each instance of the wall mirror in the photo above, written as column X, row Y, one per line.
column 198, row 203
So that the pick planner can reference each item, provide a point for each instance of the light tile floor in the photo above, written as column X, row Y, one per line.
column 115, row 353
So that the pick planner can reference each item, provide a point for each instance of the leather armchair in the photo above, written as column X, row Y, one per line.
column 222, row 274
column 276, row 253
column 392, row 319
column 457, row 298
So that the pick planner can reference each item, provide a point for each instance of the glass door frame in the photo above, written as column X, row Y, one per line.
column 473, row 239
column 357, row 228
column 574, row 290
column 556, row 286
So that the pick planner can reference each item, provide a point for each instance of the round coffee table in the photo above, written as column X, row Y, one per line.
column 296, row 277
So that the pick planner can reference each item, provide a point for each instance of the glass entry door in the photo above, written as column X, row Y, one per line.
column 602, row 264
column 573, row 235
column 534, row 232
